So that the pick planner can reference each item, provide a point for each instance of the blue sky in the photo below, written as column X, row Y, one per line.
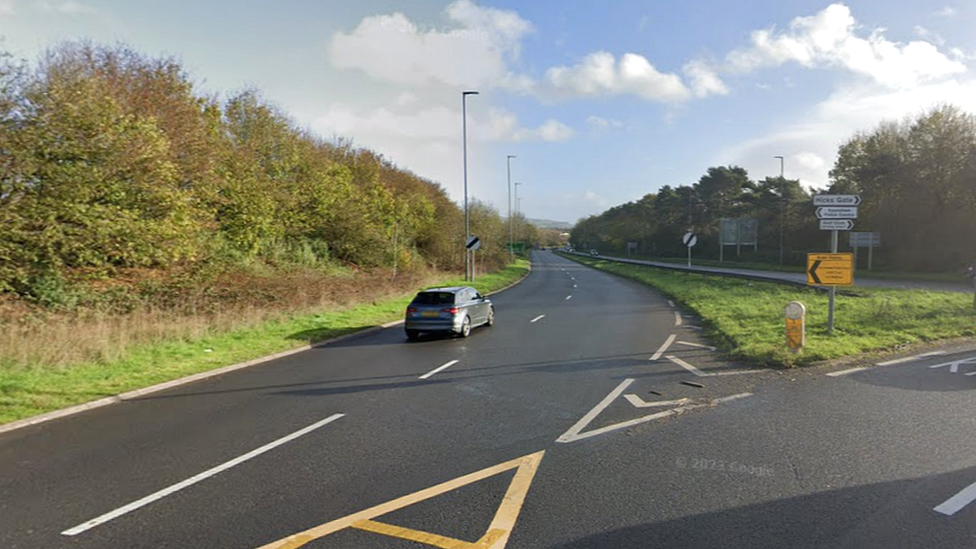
column 601, row 102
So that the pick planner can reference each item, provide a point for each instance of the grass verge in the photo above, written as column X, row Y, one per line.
column 745, row 318
column 26, row 392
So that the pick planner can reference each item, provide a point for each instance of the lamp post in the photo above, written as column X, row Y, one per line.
column 464, row 148
column 782, row 208
column 511, row 233
column 516, row 204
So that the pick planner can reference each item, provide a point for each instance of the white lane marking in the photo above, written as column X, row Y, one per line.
column 537, row 319
column 574, row 285
column 734, row 372
column 671, row 303
column 952, row 505
column 195, row 479
column 687, row 366
column 569, row 297
column 677, row 318
column 664, row 347
column 730, row 398
column 439, row 368
column 847, row 372
column 699, row 345
column 640, row 403
column 911, row 358
column 574, row 431
column 971, row 374
column 571, row 436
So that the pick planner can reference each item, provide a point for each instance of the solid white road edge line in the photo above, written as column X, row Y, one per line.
column 197, row 478
column 952, row 505
column 911, row 358
column 537, row 319
column 439, row 368
column 585, row 420
column 848, row 371
column 664, row 347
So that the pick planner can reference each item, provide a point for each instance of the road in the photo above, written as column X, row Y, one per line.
column 800, row 279
column 594, row 414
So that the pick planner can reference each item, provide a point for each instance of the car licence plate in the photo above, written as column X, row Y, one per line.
column 428, row 314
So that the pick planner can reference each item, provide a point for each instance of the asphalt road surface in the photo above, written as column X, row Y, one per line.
column 594, row 414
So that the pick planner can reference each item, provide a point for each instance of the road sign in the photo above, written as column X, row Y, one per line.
column 837, row 212
column 830, row 269
column 795, row 325
column 473, row 243
column 689, row 239
column 836, row 200
column 865, row 240
column 836, row 224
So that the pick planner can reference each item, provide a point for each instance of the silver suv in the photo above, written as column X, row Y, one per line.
column 454, row 310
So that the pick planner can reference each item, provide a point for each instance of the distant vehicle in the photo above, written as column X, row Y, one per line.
column 594, row 252
column 452, row 310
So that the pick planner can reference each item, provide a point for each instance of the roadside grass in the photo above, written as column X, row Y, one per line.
column 30, row 390
column 745, row 318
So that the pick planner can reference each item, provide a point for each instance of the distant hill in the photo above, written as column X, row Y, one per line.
column 550, row 224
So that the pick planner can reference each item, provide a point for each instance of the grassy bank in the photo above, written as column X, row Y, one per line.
column 745, row 318
column 27, row 391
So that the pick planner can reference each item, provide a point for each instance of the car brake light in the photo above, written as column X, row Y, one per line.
column 452, row 310
column 411, row 310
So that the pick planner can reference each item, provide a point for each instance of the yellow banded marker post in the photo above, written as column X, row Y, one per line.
column 796, row 333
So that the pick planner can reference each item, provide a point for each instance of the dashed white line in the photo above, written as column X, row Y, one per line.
column 664, row 347
column 439, row 369
column 537, row 319
column 671, row 303
column 911, row 358
column 574, row 285
column 569, row 297
column 698, row 345
column 677, row 318
column 952, row 505
column 195, row 479
column 847, row 372
column 687, row 366
column 730, row 398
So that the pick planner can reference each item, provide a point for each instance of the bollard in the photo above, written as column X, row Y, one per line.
column 796, row 333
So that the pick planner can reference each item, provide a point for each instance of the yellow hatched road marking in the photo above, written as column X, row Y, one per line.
column 495, row 538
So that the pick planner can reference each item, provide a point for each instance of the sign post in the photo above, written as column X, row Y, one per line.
column 831, row 209
column 689, row 239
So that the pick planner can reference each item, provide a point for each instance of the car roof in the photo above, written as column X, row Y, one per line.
column 452, row 289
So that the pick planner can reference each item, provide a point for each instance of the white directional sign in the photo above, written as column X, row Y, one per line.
column 689, row 239
column 836, row 224
column 836, row 200
column 837, row 212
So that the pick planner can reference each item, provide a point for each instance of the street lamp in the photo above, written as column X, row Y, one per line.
column 782, row 208
column 511, row 239
column 516, row 208
column 464, row 148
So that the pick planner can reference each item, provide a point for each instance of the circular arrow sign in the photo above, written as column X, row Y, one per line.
column 689, row 239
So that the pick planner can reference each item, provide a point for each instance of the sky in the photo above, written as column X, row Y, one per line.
column 601, row 103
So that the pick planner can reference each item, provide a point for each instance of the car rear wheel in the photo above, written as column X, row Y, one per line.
column 491, row 317
column 412, row 334
column 466, row 327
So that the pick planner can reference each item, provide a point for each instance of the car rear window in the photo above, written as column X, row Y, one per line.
column 434, row 298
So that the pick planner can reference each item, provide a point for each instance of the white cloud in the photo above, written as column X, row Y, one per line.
column 70, row 7
column 393, row 49
column 818, row 135
column 829, row 39
column 946, row 12
column 7, row 7
column 600, row 74
column 598, row 123
column 704, row 80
